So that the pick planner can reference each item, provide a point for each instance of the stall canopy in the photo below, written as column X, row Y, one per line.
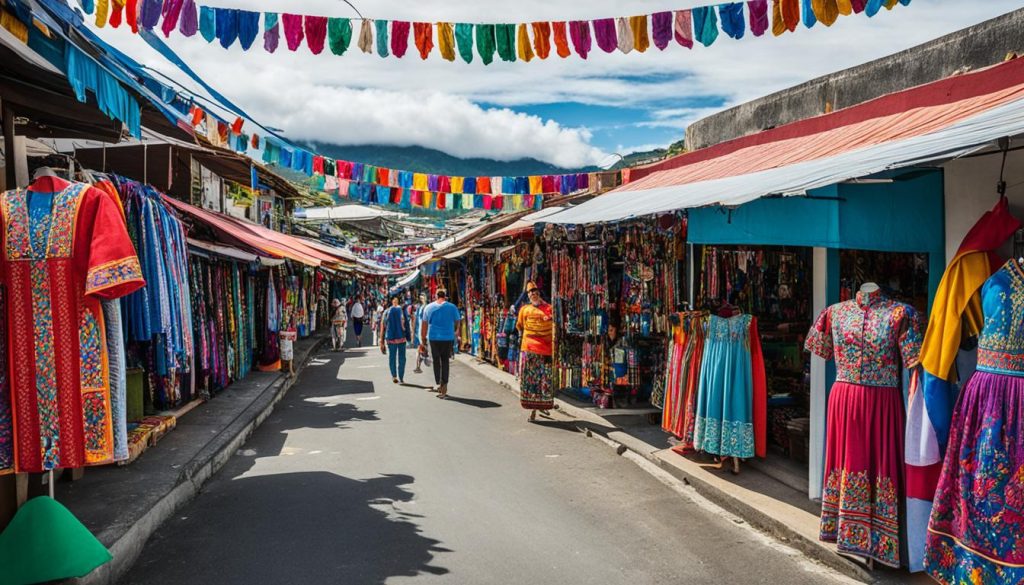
column 522, row 227
column 934, row 122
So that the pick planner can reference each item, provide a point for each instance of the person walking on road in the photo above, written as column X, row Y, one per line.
column 419, row 342
column 395, row 333
column 440, row 322
column 358, row 314
column 339, row 325
column 535, row 323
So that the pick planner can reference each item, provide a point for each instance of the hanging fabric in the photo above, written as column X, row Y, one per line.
column 446, row 41
column 542, row 39
column 523, row 43
column 826, row 11
column 705, row 25
column 464, row 40
column 661, row 29
column 424, row 38
column 271, row 31
column 858, row 5
column 227, row 26
column 117, row 14
column 188, row 21
column 807, row 12
column 382, row 37
column 208, row 23
column 131, row 12
column 561, row 39
column 150, row 12
column 339, row 34
column 759, row 22
column 505, row 35
column 366, row 36
column 683, row 28
column 248, row 28
column 316, row 33
column 485, row 42
column 399, row 37
column 172, row 12
column 791, row 14
column 604, row 30
column 733, row 24
column 292, row 24
column 641, row 38
column 579, row 30
column 845, row 7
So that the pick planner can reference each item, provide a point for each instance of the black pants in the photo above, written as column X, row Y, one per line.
column 441, row 351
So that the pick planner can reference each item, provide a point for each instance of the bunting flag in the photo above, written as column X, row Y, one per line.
column 455, row 41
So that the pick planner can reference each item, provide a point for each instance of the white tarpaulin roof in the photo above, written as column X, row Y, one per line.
column 963, row 137
column 345, row 213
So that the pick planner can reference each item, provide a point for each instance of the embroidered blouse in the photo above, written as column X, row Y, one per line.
column 538, row 328
column 1001, row 342
column 869, row 338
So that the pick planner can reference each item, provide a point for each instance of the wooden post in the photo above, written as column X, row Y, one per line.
column 8, row 130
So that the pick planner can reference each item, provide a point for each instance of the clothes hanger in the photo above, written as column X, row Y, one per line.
column 45, row 180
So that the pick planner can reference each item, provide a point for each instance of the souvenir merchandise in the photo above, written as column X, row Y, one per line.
column 65, row 248
column 871, row 339
column 686, row 350
column 976, row 533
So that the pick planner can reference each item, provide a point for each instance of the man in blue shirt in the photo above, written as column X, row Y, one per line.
column 439, row 329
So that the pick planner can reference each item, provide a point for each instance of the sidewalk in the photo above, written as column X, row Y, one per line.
column 765, row 501
column 123, row 506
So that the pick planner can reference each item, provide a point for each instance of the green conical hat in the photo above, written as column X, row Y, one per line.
column 45, row 542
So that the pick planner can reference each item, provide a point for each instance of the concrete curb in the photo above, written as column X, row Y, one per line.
column 758, row 512
column 127, row 548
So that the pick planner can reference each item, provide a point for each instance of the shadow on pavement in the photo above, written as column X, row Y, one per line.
column 473, row 402
column 309, row 528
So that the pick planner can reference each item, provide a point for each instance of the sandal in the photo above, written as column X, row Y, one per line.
column 442, row 396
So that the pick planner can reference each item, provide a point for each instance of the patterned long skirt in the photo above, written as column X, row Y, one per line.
column 976, row 533
column 535, row 391
column 864, row 485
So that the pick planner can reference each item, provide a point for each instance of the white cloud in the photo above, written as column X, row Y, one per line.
column 364, row 99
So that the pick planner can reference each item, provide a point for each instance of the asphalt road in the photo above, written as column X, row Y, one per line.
column 356, row 480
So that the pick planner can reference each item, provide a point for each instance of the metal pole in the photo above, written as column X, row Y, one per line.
column 8, row 128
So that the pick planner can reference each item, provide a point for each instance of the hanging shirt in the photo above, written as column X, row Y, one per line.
column 867, row 338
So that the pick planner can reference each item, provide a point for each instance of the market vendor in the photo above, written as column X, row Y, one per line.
column 537, row 327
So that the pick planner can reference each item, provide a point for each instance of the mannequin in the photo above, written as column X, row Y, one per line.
column 46, row 181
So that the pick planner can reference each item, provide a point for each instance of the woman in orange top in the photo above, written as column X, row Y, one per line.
column 537, row 327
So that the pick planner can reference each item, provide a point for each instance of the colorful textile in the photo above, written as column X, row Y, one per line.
column 208, row 23
column 61, row 255
column 172, row 12
column 579, row 30
column 759, row 22
column 423, row 36
column 731, row 416
column 1001, row 343
column 733, row 22
column 705, row 25
column 382, row 37
column 604, row 32
column 339, row 33
column 293, row 35
column 863, row 476
column 559, row 30
column 227, row 26
column 505, row 37
column 825, row 11
column 464, row 40
column 682, row 373
column 535, row 390
column 248, row 28
column 485, row 42
column 365, row 43
column 525, row 49
column 682, row 28
column 807, row 13
column 316, row 33
column 271, row 31
column 537, row 327
column 661, row 29
column 399, row 38
column 641, row 40
column 446, row 41
column 624, row 35
column 870, row 338
column 6, row 416
column 541, row 39
column 149, row 13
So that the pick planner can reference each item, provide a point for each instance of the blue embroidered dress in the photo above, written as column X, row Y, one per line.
column 976, row 533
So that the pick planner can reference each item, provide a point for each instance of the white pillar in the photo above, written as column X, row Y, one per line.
column 819, row 395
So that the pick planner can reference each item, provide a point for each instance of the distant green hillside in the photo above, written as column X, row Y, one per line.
column 638, row 158
column 426, row 160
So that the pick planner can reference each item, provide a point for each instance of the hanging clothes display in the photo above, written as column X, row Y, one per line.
column 65, row 248
column 977, row 523
column 683, row 376
column 870, row 338
column 731, row 418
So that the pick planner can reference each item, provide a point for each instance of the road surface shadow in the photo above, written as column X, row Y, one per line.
column 310, row 528
column 473, row 402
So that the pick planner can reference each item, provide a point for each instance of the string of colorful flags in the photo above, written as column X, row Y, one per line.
column 508, row 41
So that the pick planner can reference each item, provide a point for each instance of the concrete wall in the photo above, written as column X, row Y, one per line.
column 979, row 46
column 970, row 186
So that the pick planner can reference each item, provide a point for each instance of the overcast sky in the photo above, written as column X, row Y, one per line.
column 568, row 112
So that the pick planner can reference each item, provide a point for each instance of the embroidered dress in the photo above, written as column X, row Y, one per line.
column 870, row 338
column 57, row 263
column 731, row 396
column 683, row 375
column 535, row 390
column 976, row 533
